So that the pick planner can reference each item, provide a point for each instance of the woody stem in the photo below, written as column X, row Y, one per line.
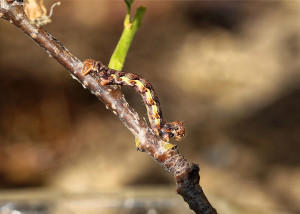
column 186, row 174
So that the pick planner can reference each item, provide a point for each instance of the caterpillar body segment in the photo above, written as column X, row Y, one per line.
column 108, row 76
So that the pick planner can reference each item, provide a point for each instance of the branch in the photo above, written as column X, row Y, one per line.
column 186, row 174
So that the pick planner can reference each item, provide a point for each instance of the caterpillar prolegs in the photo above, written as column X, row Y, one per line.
column 108, row 76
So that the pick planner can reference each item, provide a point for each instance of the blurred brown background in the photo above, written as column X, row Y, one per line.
column 228, row 69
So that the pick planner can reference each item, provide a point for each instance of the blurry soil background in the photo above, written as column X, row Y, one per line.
column 229, row 70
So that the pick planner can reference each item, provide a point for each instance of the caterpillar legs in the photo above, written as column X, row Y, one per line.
column 108, row 76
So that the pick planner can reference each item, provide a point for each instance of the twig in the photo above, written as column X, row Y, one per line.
column 186, row 174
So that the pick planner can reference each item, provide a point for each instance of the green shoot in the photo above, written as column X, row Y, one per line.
column 130, row 28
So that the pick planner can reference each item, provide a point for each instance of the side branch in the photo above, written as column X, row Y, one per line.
column 186, row 174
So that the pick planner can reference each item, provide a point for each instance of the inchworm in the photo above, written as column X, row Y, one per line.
column 108, row 76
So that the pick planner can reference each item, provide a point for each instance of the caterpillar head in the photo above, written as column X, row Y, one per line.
column 88, row 66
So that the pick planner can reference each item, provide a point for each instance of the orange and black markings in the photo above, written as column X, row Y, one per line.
column 108, row 76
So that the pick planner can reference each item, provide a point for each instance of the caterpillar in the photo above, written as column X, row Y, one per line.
column 165, row 130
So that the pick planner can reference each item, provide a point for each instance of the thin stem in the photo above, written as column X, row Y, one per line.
column 130, row 28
